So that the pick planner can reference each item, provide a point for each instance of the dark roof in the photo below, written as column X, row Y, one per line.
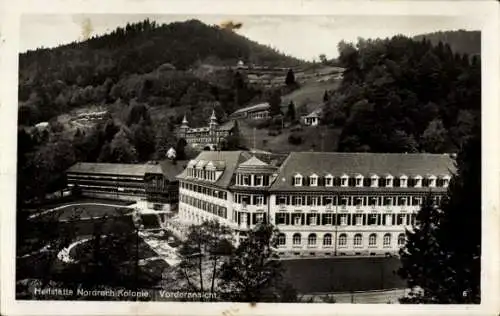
column 171, row 170
column 232, row 159
column 165, row 167
column 366, row 164
column 136, row 170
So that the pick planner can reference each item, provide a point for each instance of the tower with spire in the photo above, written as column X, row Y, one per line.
column 184, row 126
column 212, row 126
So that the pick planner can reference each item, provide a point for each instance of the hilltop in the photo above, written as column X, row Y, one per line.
column 461, row 41
column 153, row 63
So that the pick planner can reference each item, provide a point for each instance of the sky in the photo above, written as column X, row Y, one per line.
column 305, row 37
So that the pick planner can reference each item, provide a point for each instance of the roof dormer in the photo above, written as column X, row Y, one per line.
column 344, row 180
column 359, row 180
column 297, row 180
column 432, row 181
column 389, row 181
column 374, row 180
column 403, row 181
column 328, row 180
column 446, row 181
column 418, row 181
column 313, row 180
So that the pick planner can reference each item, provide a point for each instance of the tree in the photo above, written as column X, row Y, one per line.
column 439, row 238
column 143, row 139
column 323, row 59
column 122, row 151
column 275, row 103
column 326, row 98
column 290, row 78
column 202, row 252
column 291, row 111
column 434, row 137
column 254, row 273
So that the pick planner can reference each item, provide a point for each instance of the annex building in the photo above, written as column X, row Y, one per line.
column 323, row 204
column 211, row 136
column 152, row 186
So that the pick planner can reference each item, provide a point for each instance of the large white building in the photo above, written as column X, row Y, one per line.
column 323, row 204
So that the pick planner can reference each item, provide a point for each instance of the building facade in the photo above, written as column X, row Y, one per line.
column 323, row 204
column 152, row 186
column 211, row 136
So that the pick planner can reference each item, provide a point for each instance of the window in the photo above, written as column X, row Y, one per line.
column 327, row 240
column 343, row 219
column 372, row 201
column 388, row 201
column 372, row 219
column 328, row 180
column 313, row 180
column 314, row 201
column 297, row 200
column 446, row 181
column 401, row 240
column 387, row 240
column 296, row 239
column 343, row 240
column 403, row 181
column 311, row 240
column 400, row 219
column 418, row 182
column 259, row 218
column 297, row 180
column 358, row 201
column 432, row 181
column 246, row 180
column 358, row 219
column 343, row 180
column 259, row 200
column 358, row 240
column 374, row 182
column 359, row 180
column 280, row 218
column 372, row 240
column 258, row 181
column 313, row 219
column 388, row 181
column 402, row 201
column 297, row 220
column 281, row 239
column 327, row 219
column 281, row 200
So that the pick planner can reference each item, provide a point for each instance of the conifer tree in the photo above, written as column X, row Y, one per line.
column 442, row 255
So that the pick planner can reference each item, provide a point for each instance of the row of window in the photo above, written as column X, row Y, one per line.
column 108, row 182
column 342, row 240
column 215, row 209
column 373, row 181
column 204, row 190
column 345, row 219
column 110, row 189
column 250, row 199
column 252, row 180
column 202, row 174
column 342, row 200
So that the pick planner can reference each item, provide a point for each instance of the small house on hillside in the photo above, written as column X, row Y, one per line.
column 313, row 118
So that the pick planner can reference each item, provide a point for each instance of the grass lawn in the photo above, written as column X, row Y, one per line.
column 342, row 274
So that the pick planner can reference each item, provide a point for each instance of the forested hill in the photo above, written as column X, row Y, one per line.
column 106, row 68
column 461, row 41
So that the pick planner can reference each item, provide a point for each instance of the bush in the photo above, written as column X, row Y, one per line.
column 295, row 139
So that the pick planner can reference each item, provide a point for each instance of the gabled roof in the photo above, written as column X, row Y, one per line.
column 227, row 126
column 365, row 164
column 253, row 161
column 252, row 108
column 254, row 164
column 232, row 160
